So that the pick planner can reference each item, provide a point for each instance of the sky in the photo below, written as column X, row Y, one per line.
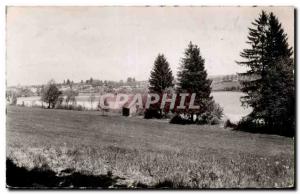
column 113, row 43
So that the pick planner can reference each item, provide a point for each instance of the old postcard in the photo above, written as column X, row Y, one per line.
column 148, row 97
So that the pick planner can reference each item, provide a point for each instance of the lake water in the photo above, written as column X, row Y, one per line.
column 230, row 102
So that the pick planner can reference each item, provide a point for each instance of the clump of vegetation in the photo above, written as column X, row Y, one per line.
column 213, row 115
column 229, row 124
column 151, row 113
column 192, row 78
column 270, row 87
column 161, row 78
column 180, row 119
column 50, row 94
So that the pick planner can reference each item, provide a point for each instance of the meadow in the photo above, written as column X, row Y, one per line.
column 138, row 153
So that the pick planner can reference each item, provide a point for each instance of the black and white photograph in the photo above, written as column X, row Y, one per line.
column 150, row 97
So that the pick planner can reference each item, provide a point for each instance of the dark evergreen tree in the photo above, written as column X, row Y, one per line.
column 269, row 82
column 192, row 78
column 280, row 94
column 161, row 78
column 255, row 56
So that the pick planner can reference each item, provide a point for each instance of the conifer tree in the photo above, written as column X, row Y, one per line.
column 269, row 83
column 192, row 78
column 161, row 76
column 255, row 59
column 161, row 79
column 280, row 94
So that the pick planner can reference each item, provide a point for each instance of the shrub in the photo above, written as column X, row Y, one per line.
column 212, row 116
column 204, row 118
column 249, row 124
column 229, row 124
column 80, row 108
column 180, row 119
column 214, row 121
column 177, row 119
column 151, row 113
column 215, row 109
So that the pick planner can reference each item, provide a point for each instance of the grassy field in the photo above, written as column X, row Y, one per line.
column 146, row 153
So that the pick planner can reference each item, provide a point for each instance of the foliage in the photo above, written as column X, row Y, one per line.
column 161, row 79
column 179, row 119
column 192, row 78
column 161, row 75
column 215, row 109
column 212, row 116
column 151, row 113
column 70, row 96
column 51, row 94
column 270, row 88
column 11, row 97
column 229, row 124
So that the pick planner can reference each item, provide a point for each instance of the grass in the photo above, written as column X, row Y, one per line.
column 147, row 153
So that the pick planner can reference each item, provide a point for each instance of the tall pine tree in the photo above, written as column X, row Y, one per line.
column 192, row 78
column 161, row 79
column 280, row 109
column 161, row 76
column 269, row 83
column 255, row 59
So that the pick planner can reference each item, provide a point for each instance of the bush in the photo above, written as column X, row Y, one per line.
column 79, row 108
column 152, row 113
column 180, row 119
column 177, row 119
column 249, row 124
column 214, row 121
column 212, row 116
column 229, row 124
column 204, row 118
column 252, row 125
column 215, row 109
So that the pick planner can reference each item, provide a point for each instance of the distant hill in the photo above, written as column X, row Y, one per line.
column 225, row 82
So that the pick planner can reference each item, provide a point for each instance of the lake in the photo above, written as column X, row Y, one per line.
column 230, row 102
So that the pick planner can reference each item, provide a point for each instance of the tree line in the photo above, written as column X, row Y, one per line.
column 269, row 89
column 191, row 79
